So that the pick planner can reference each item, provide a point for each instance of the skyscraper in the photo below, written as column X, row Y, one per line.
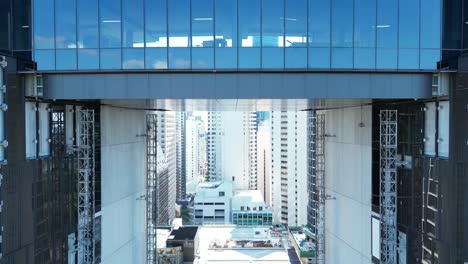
column 232, row 148
column 264, row 160
column 181, row 169
column 166, row 135
column 195, row 148
column 289, row 167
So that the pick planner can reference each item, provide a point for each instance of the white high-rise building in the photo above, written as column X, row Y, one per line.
column 231, row 148
column 195, row 148
column 166, row 138
column 181, row 170
column 289, row 167
column 264, row 161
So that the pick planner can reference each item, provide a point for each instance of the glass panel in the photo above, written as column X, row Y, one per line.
column 272, row 58
column 319, row 23
column 133, row 59
column 65, row 25
column 203, row 58
column 342, row 23
column 66, row 59
column 387, row 23
column 296, row 23
column 202, row 24
column 156, row 23
column 408, row 59
column 319, row 58
column 110, row 59
column 364, row 58
column 45, row 59
column 179, row 23
column 342, row 58
column 226, row 23
column 364, row 24
column 296, row 58
column 249, row 58
column 156, row 58
column 88, row 59
column 429, row 58
column 87, row 24
column 226, row 58
column 110, row 24
column 386, row 58
column 273, row 23
column 430, row 23
column 179, row 58
column 249, row 23
column 132, row 23
column 409, row 24
column 43, row 25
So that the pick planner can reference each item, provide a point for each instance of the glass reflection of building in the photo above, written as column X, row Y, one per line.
column 237, row 34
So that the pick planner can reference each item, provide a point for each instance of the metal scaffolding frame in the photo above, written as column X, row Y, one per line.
column 151, row 188
column 86, row 187
column 320, row 187
column 388, row 186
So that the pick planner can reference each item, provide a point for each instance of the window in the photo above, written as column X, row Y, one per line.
column 221, row 194
column 242, row 208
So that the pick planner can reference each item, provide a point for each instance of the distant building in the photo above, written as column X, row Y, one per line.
column 166, row 135
column 181, row 170
column 212, row 203
column 289, row 167
column 186, row 237
column 302, row 242
column 232, row 143
column 264, row 161
column 249, row 208
column 195, row 148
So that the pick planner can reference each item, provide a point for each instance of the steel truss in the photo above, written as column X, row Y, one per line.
column 388, row 186
column 86, row 187
column 151, row 188
column 320, row 187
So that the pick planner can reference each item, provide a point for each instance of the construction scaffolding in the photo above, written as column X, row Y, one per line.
column 86, row 187
column 151, row 188
column 388, row 186
column 320, row 186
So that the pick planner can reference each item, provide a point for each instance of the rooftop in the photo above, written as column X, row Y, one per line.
column 231, row 244
column 303, row 241
column 254, row 195
column 184, row 232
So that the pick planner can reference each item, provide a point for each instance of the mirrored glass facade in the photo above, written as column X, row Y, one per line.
column 237, row 34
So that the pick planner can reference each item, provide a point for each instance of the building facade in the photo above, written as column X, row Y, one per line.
column 212, row 203
column 249, row 209
column 195, row 149
column 289, row 167
column 181, row 164
column 166, row 137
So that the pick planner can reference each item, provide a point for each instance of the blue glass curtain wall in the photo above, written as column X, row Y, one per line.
column 237, row 34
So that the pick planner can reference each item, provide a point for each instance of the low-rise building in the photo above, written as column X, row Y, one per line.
column 302, row 241
column 212, row 203
column 249, row 208
column 187, row 238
